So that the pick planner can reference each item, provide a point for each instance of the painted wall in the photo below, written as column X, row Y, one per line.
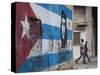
column 38, row 45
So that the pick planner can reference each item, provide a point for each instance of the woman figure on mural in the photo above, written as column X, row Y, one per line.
column 63, row 29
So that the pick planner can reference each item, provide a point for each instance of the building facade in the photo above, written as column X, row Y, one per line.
column 84, row 27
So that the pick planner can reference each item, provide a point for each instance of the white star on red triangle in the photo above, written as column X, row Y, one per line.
column 26, row 27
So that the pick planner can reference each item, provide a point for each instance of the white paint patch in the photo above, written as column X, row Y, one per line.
column 69, row 45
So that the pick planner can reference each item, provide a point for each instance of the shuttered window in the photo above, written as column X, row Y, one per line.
column 76, row 38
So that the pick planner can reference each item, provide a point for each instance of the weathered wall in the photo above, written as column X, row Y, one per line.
column 38, row 46
column 83, row 16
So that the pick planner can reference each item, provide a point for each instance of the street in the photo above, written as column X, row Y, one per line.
column 80, row 65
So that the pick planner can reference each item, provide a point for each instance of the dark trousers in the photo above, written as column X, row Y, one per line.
column 86, row 56
column 81, row 54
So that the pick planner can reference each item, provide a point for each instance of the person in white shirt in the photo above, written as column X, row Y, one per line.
column 81, row 52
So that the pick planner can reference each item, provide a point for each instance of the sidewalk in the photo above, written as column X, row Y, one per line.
column 70, row 65
column 80, row 65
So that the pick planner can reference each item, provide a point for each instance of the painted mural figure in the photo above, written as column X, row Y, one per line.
column 63, row 30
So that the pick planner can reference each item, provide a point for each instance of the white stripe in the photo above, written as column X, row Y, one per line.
column 46, row 16
column 36, row 49
column 48, row 47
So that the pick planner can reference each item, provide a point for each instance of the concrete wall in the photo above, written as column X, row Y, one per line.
column 89, row 30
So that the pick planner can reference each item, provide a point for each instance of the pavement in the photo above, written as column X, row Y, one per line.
column 80, row 65
column 70, row 65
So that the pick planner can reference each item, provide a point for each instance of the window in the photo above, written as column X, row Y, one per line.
column 76, row 38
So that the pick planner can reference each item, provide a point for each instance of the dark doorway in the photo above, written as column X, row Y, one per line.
column 95, row 31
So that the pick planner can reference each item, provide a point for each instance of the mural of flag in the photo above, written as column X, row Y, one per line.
column 38, row 36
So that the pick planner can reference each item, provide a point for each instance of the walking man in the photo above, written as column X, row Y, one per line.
column 81, row 52
column 86, row 52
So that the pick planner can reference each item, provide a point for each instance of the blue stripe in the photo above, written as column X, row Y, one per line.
column 57, row 9
column 42, row 62
column 53, row 32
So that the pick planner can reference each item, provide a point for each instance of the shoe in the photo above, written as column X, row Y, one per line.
column 84, row 63
column 89, row 61
column 76, row 61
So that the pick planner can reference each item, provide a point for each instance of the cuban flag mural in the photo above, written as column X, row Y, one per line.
column 43, row 36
